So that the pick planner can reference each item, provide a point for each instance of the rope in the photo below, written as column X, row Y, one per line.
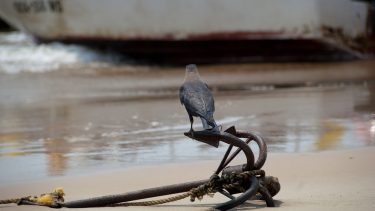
column 154, row 202
column 54, row 199
column 9, row 201
column 215, row 184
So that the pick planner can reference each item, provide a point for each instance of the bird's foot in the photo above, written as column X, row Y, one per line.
column 191, row 131
column 216, row 129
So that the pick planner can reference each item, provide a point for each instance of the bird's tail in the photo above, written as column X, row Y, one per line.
column 209, row 125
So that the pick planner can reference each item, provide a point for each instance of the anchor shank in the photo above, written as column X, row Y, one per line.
column 134, row 195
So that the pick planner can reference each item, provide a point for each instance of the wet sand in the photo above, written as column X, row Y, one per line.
column 331, row 180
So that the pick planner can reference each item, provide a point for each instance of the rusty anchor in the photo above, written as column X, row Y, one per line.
column 248, row 179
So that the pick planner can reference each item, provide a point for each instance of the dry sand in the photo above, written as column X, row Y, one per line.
column 331, row 180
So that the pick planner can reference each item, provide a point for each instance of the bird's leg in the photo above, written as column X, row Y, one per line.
column 191, row 131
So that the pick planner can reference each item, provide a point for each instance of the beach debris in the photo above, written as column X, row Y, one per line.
column 197, row 98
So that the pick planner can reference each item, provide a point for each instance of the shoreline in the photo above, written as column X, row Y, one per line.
column 327, row 180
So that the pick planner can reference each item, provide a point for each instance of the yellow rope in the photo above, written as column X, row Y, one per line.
column 54, row 199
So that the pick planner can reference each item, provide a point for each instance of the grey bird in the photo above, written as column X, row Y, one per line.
column 197, row 99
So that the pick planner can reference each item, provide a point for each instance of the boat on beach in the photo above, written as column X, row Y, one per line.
column 203, row 30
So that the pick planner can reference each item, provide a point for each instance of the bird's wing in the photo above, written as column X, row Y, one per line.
column 182, row 95
column 193, row 100
column 210, row 102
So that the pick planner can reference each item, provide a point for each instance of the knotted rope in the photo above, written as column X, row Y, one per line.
column 215, row 184
column 54, row 199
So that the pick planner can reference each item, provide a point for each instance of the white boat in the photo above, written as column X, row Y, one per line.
column 235, row 29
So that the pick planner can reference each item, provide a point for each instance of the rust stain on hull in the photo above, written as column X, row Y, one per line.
column 364, row 43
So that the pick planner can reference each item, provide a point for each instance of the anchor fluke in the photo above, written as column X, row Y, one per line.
column 210, row 137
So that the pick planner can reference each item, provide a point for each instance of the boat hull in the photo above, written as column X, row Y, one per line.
column 255, row 30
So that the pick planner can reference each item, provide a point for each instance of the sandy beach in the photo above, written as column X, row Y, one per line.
column 85, row 122
column 329, row 180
